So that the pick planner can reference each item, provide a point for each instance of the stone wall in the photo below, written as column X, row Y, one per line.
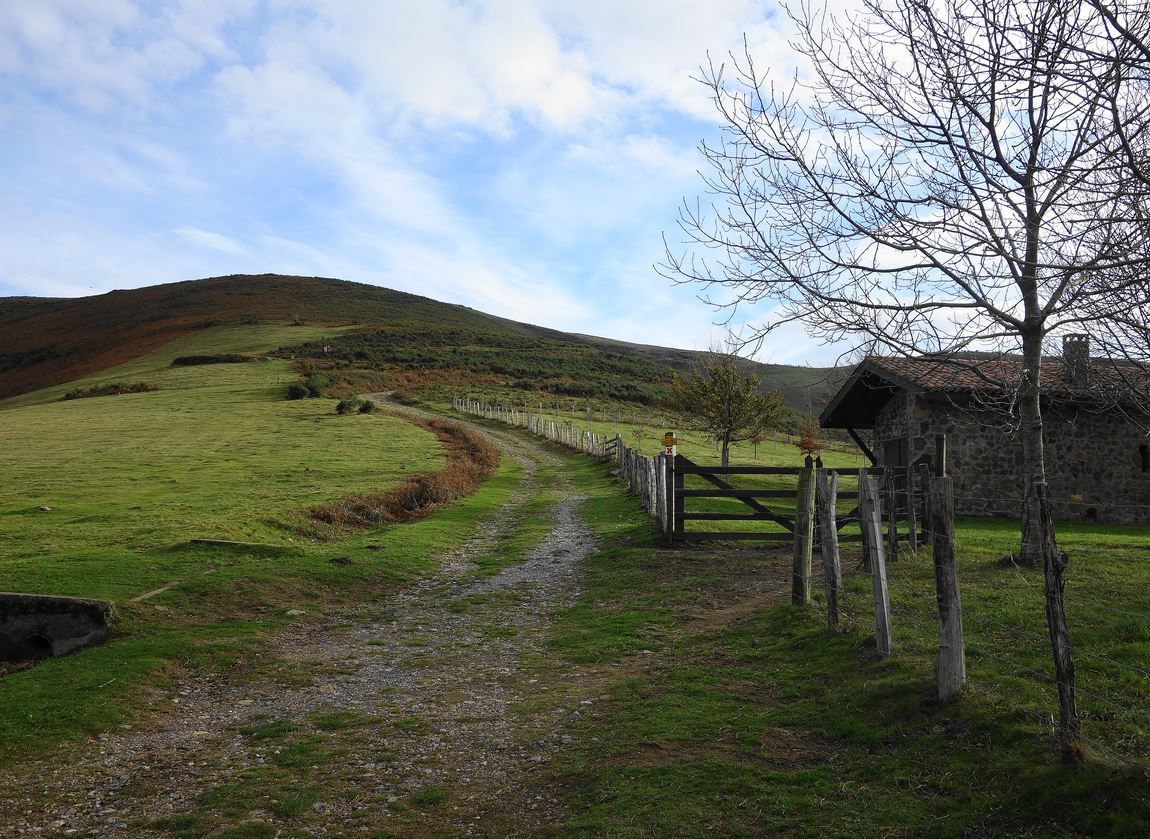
column 1093, row 462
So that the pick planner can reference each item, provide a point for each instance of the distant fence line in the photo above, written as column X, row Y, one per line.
column 895, row 506
column 646, row 477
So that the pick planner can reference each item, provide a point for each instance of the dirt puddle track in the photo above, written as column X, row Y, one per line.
column 421, row 716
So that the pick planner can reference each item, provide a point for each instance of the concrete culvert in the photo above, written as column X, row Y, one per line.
column 35, row 648
column 34, row 627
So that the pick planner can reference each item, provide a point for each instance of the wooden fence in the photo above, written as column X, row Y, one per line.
column 802, row 505
column 780, row 494
column 670, row 489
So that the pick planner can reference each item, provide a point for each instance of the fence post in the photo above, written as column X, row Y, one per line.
column 872, row 535
column 660, row 492
column 927, row 516
column 1053, row 564
column 826, row 495
column 890, row 497
column 951, row 646
column 677, row 501
column 911, row 511
column 865, row 564
column 804, row 537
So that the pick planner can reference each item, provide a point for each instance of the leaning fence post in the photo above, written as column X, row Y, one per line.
column 826, row 494
column 804, row 537
column 860, row 507
column 872, row 535
column 951, row 646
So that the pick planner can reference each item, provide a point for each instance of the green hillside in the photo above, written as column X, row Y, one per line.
column 406, row 342
column 104, row 496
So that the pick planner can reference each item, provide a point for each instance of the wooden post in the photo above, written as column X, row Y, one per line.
column 826, row 494
column 927, row 516
column 669, row 500
column 677, row 506
column 804, row 537
column 1053, row 565
column 890, row 496
column 864, row 523
column 951, row 646
column 911, row 512
column 939, row 455
column 872, row 535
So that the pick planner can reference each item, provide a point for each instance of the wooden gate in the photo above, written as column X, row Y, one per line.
column 768, row 496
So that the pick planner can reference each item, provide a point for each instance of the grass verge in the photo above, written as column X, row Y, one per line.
column 718, row 709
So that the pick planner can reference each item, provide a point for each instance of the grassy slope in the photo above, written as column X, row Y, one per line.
column 725, row 715
column 215, row 453
column 51, row 341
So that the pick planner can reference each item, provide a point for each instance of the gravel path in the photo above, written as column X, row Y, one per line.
column 414, row 716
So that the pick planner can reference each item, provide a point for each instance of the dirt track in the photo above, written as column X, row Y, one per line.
column 415, row 716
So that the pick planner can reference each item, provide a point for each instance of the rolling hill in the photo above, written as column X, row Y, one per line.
column 422, row 343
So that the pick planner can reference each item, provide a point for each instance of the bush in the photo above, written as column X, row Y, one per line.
column 109, row 390
column 296, row 391
column 367, row 407
column 223, row 358
column 470, row 458
column 348, row 406
column 317, row 382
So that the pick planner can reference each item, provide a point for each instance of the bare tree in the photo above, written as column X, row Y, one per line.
column 955, row 175
column 1125, row 26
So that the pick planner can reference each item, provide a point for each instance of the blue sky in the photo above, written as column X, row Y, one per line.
column 521, row 158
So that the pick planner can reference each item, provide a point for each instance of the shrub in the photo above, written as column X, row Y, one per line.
column 367, row 407
column 317, row 382
column 348, row 406
column 109, row 390
column 296, row 391
column 223, row 358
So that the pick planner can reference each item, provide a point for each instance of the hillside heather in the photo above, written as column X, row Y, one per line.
column 445, row 360
column 403, row 342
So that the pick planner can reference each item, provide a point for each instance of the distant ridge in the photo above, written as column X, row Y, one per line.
column 46, row 341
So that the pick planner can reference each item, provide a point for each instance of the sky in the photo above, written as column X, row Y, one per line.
column 521, row 158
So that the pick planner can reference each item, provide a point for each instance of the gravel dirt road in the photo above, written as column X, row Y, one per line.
column 419, row 715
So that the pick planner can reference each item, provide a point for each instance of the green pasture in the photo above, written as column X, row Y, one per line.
column 727, row 715
column 102, row 496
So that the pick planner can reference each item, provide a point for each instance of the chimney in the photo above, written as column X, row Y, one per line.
column 1076, row 359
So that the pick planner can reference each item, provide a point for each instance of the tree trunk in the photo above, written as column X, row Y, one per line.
column 726, row 452
column 1033, row 456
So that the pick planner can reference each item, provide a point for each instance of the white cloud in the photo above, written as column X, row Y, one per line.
column 517, row 156
column 213, row 241
column 114, row 52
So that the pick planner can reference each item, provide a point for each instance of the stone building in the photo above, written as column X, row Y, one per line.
column 1097, row 448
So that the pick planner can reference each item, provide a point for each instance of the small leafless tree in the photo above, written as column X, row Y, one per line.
column 953, row 175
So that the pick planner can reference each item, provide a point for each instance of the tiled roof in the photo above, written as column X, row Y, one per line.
column 985, row 373
column 980, row 375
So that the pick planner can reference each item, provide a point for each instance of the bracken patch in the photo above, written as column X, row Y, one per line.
column 470, row 459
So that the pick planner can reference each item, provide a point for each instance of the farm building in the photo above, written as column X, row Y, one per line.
column 1096, row 445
